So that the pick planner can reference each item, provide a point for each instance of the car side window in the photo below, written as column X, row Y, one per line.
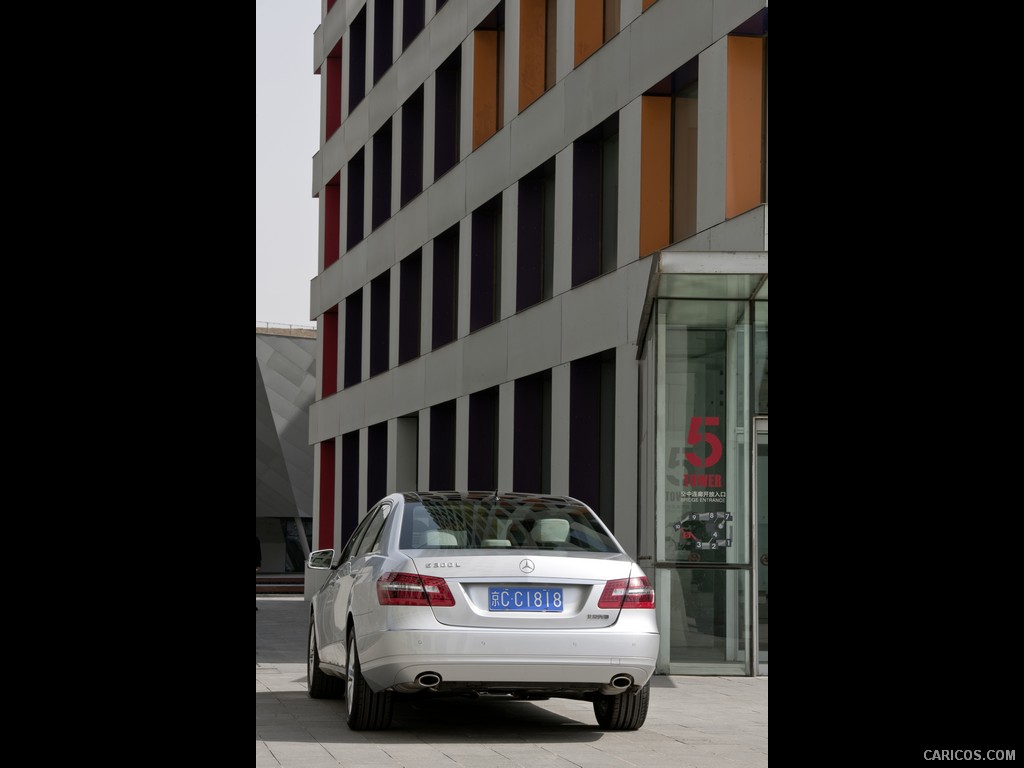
column 353, row 541
column 373, row 529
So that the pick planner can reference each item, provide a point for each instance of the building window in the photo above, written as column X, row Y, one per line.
column 333, row 117
column 447, row 90
column 592, row 433
column 376, row 462
column 446, row 287
column 537, row 46
column 357, row 61
column 329, row 359
column 325, row 527
column 409, row 287
column 489, row 76
column 412, row 146
column 593, row 27
column 746, row 159
column 483, row 440
column 668, row 160
column 381, row 181
column 442, row 446
column 354, row 220
column 349, row 484
column 535, row 254
column 380, row 323
column 412, row 21
column 485, row 265
column 531, row 450
column 353, row 369
column 595, row 201
column 332, row 220
column 383, row 35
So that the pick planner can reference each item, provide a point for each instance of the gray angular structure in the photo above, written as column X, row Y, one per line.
column 285, row 388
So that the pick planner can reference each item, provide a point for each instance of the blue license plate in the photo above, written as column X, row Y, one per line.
column 547, row 599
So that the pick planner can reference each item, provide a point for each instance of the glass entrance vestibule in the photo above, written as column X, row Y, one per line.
column 703, row 532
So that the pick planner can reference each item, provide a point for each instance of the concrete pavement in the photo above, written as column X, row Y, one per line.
column 693, row 722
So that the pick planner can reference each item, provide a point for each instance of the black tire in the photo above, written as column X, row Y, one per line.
column 367, row 711
column 624, row 712
column 319, row 684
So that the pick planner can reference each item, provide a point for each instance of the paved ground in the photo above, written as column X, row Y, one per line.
column 693, row 722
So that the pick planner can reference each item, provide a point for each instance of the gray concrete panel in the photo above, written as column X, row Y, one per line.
column 408, row 386
column 314, row 298
column 487, row 169
column 405, row 450
column 509, row 243
column 465, row 268
column 334, row 26
column 429, row 111
column 333, row 156
column 443, row 374
column 414, row 64
column 626, row 408
column 447, row 31
column 379, row 400
column 560, row 430
column 664, row 37
column 423, row 459
column 628, row 249
column 535, row 339
column 394, row 308
column 447, row 200
column 355, row 128
column 628, row 11
column 364, row 501
column 317, row 177
column 746, row 232
column 512, row 17
column 380, row 251
column 466, row 100
column 349, row 408
column 353, row 271
column 594, row 316
column 565, row 30
column 462, row 444
column 729, row 14
column 383, row 100
column 410, row 225
column 637, row 275
column 427, row 298
column 598, row 87
column 318, row 52
column 538, row 132
column 365, row 366
column 506, row 434
column 711, row 134
column 485, row 358
column 562, row 268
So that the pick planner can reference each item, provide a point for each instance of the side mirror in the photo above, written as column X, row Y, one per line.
column 321, row 560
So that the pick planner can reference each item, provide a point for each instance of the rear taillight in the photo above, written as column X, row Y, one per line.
column 627, row 593
column 410, row 589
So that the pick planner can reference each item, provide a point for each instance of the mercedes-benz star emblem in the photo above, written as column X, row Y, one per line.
column 527, row 566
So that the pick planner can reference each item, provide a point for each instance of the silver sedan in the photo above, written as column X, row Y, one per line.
column 510, row 594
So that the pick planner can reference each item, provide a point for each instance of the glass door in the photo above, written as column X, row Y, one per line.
column 761, row 534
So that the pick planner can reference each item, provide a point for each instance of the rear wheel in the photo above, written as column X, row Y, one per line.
column 319, row 684
column 367, row 711
column 624, row 712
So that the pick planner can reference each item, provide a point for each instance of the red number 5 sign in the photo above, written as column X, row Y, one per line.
column 695, row 437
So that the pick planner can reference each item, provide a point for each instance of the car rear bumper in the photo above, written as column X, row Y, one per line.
column 394, row 658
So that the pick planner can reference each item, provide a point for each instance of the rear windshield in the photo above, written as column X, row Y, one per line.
column 504, row 524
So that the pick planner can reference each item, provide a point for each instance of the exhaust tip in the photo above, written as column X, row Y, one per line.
column 428, row 679
column 621, row 682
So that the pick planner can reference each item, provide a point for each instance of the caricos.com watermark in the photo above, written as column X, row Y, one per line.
column 970, row 754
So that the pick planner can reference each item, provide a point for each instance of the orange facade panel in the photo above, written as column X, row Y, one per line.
column 589, row 31
column 485, row 85
column 649, row 3
column 532, row 47
column 743, row 146
column 655, row 173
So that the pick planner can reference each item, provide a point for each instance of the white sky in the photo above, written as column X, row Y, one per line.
column 287, row 137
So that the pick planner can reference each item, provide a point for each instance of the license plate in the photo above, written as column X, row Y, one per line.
column 547, row 599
